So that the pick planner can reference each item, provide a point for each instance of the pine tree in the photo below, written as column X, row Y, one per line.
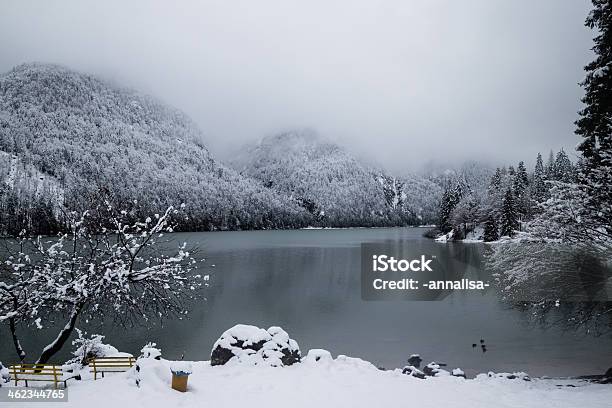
column 509, row 217
column 490, row 230
column 496, row 181
column 563, row 169
column 450, row 198
column 521, row 180
column 550, row 165
column 539, row 191
column 446, row 208
column 520, row 184
column 595, row 122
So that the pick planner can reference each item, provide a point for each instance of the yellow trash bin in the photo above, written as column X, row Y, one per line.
column 180, row 374
column 179, row 382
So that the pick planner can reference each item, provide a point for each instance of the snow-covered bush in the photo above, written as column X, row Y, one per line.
column 253, row 345
column 5, row 375
column 150, row 350
column 90, row 347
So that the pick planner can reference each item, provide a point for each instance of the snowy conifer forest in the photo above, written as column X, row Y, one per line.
column 66, row 135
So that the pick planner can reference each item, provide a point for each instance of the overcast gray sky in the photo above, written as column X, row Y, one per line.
column 402, row 81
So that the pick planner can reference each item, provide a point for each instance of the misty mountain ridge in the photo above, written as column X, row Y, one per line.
column 87, row 134
column 335, row 186
column 64, row 135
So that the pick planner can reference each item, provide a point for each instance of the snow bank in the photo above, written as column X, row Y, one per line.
column 340, row 382
column 445, row 238
column 4, row 374
column 318, row 356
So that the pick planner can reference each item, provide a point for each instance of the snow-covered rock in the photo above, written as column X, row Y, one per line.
column 318, row 356
column 415, row 360
column 507, row 376
column 413, row 372
column 446, row 237
column 255, row 346
column 433, row 370
column 457, row 372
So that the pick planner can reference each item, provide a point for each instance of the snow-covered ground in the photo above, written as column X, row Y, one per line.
column 340, row 382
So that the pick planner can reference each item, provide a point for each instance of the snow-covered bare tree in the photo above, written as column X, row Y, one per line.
column 106, row 265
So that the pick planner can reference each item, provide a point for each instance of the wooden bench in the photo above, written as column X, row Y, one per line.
column 38, row 372
column 110, row 365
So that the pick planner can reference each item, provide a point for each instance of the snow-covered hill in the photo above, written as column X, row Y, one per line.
column 87, row 134
column 329, row 182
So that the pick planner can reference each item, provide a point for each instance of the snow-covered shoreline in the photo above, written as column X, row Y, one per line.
column 254, row 367
column 326, row 382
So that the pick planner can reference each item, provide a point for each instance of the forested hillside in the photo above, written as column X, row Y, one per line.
column 64, row 136
column 85, row 135
column 502, row 202
column 336, row 188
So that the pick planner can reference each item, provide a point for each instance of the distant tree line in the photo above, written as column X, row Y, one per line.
column 512, row 198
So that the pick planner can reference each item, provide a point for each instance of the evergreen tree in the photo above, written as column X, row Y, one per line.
column 521, row 180
column 520, row 184
column 550, row 165
column 595, row 122
column 490, row 230
column 509, row 217
column 563, row 170
column 450, row 198
column 445, row 212
column 496, row 181
column 511, row 171
column 539, row 191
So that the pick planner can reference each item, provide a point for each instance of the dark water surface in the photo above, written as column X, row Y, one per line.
column 308, row 282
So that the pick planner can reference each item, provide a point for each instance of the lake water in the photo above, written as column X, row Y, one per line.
column 308, row 282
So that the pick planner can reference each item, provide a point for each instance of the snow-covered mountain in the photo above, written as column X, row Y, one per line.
column 336, row 188
column 64, row 135
column 85, row 134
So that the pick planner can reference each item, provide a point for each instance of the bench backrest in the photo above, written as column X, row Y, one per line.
column 35, row 369
column 111, row 363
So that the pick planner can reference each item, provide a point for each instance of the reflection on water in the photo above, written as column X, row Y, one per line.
column 308, row 282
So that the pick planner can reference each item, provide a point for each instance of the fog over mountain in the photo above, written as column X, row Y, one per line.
column 65, row 136
column 402, row 83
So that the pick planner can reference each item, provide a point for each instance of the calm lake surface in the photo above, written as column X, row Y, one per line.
column 308, row 282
